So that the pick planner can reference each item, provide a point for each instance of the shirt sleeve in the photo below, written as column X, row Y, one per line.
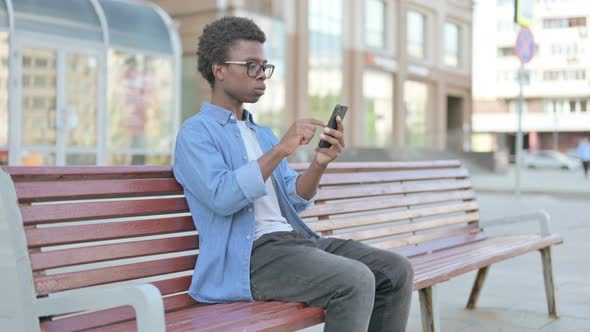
column 290, row 177
column 200, row 168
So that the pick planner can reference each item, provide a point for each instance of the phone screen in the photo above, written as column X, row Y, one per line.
column 339, row 110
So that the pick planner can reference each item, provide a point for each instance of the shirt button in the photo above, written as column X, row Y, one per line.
column 245, row 263
column 238, row 135
column 232, row 117
column 250, row 209
column 248, row 237
column 245, row 157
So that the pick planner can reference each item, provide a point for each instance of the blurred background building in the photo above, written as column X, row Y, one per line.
column 556, row 113
column 105, row 81
column 85, row 82
column 403, row 67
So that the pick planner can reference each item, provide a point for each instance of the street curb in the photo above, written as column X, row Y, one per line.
column 524, row 191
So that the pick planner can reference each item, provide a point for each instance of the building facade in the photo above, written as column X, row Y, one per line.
column 556, row 113
column 403, row 67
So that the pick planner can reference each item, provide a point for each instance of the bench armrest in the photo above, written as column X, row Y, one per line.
column 542, row 217
column 145, row 299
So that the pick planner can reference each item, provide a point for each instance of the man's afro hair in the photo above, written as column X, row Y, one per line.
column 218, row 37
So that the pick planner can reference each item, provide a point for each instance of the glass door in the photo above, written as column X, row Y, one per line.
column 58, row 109
column 38, row 115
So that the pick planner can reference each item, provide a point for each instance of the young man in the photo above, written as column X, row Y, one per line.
column 245, row 201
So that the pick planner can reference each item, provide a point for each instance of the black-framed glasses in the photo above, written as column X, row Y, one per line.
column 254, row 68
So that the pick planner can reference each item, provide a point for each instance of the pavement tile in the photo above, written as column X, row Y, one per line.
column 567, row 324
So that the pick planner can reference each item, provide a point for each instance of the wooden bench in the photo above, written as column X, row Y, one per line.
column 115, row 238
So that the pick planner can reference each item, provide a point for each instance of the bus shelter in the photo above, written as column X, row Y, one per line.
column 87, row 82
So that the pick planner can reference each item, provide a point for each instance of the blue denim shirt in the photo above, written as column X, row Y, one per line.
column 584, row 151
column 221, row 185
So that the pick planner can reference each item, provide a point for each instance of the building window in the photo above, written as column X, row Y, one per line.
column 325, row 57
column 270, row 110
column 564, row 75
column 416, row 34
column 375, row 23
column 416, row 104
column 506, row 51
column 378, row 94
column 265, row 8
column 452, row 45
column 565, row 106
column 560, row 23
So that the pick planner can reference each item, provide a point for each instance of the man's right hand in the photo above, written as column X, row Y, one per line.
column 300, row 133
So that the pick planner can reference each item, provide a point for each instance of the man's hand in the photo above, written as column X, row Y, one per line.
column 300, row 133
column 324, row 156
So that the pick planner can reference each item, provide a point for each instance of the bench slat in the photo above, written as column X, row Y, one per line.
column 372, row 204
column 391, row 176
column 347, row 222
column 299, row 320
column 60, row 282
column 47, row 173
column 173, row 285
column 326, row 194
column 38, row 237
column 381, row 165
column 407, row 228
column 442, row 244
column 107, row 317
column 107, row 252
column 424, row 237
column 181, row 321
column 431, row 263
column 60, row 190
column 54, row 213
column 199, row 318
column 520, row 245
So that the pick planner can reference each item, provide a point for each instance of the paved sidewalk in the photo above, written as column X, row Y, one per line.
column 535, row 181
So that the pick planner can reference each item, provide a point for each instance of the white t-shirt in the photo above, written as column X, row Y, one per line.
column 268, row 217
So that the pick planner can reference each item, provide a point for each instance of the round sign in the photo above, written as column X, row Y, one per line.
column 525, row 45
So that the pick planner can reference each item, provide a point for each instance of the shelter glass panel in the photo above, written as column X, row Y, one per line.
column 4, row 98
column 140, row 111
column 3, row 15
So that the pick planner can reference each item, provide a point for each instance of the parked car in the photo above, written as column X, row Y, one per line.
column 551, row 159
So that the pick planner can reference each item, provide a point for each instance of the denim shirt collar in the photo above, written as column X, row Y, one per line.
column 222, row 115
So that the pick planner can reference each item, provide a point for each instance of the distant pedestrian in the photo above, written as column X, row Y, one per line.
column 584, row 154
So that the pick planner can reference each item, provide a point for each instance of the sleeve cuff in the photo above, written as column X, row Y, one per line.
column 250, row 181
column 294, row 196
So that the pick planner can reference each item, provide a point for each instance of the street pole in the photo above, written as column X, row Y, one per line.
column 518, row 148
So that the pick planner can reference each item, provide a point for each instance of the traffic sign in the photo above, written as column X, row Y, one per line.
column 525, row 45
column 524, row 12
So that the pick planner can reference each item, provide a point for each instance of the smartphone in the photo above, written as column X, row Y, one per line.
column 339, row 110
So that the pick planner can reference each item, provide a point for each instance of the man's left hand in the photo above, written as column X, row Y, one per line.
column 324, row 156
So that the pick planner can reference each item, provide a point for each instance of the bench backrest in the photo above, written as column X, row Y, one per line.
column 410, row 207
column 90, row 226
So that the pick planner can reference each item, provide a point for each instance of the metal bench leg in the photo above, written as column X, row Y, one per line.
column 477, row 285
column 550, row 289
column 429, row 309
